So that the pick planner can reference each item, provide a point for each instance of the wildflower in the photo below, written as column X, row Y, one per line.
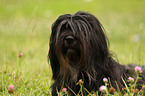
column 130, row 79
column 105, row 79
column 11, row 89
column 138, row 69
column 80, row 81
column 111, row 90
column 13, row 73
column 20, row 55
column 103, row 88
column 64, row 89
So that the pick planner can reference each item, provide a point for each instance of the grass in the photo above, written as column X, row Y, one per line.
column 25, row 27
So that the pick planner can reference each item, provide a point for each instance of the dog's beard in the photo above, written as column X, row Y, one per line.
column 71, row 57
column 72, row 53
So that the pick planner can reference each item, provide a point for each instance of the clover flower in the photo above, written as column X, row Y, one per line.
column 81, row 81
column 20, row 55
column 138, row 69
column 11, row 89
column 103, row 88
column 131, row 79
column 64, row 89
column 105, row 79
column 111, row 90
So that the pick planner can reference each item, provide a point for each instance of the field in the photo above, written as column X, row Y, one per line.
column 25, row 27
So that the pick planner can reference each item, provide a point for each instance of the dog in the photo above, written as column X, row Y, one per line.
column 79, row 50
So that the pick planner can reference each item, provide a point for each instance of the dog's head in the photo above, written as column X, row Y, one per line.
column 76, row 43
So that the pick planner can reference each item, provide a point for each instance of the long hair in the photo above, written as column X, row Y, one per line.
column 91, row 51
column 79, row 50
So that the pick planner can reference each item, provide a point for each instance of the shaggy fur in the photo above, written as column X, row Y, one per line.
column 79, row 50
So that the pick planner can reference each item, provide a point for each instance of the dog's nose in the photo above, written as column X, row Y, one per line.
column 69, row 39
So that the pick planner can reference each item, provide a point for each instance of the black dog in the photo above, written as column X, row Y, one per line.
column 79, row 50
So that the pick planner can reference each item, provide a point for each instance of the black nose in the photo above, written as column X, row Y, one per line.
column 69, row 39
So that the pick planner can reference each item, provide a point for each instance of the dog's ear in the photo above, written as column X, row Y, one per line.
column 54, row 62
column 98, row 38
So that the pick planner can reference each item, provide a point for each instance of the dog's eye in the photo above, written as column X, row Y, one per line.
column 69, row 39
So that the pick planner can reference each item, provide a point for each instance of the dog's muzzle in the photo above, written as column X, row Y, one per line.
column 69, row 42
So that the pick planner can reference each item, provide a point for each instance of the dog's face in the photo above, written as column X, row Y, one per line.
column 77, row 42
column 71, row 46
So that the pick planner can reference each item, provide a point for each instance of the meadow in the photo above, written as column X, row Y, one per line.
column 25, row 27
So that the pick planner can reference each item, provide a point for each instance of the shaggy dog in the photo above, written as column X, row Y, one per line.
column 79, row 50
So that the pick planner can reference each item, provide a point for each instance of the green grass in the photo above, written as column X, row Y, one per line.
column 25, row 27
